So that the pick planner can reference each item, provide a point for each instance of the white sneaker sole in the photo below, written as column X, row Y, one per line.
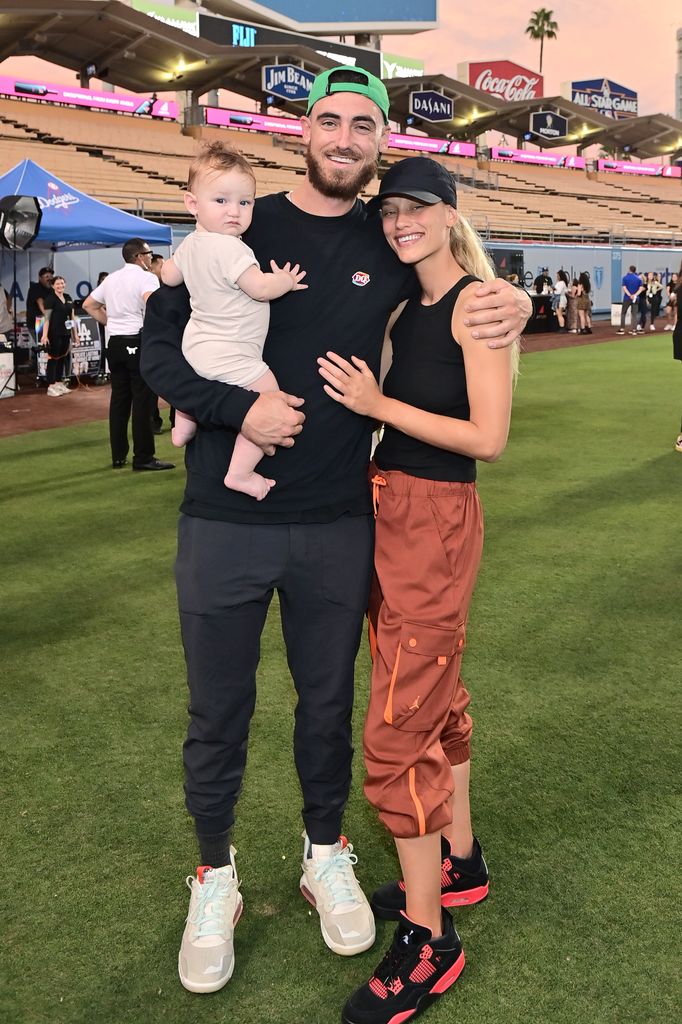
column 335, row 946
column 211, row 986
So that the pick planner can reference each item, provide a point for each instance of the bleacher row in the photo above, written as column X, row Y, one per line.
column 140, row 165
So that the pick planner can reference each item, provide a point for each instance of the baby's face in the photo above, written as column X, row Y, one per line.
column 222, row 201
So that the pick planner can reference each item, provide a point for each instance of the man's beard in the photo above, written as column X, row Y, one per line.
column 337, row 185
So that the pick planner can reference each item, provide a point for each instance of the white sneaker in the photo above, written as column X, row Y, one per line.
column 639, row 328
column 651, row 327
column 64, row 389
column 206, row 959
column 668, row 327
column 329, row 883
column 54, row 391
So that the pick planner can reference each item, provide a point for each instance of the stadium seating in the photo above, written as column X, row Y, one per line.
column 140, row 165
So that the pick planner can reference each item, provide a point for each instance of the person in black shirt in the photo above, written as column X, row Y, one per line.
column 58, row 332
column 311, row 537
column 446, row 402
column 39, row 293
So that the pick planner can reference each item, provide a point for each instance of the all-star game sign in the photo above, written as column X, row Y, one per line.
column 603, row 96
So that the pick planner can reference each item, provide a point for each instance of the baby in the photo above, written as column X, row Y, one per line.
column 229, row 296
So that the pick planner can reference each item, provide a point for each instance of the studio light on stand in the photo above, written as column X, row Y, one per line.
column 20, row 218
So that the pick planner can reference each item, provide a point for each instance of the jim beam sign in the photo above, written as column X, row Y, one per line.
column 503, row 79
column 431, row 106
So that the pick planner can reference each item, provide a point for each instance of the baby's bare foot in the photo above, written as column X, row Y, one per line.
column 253, row 483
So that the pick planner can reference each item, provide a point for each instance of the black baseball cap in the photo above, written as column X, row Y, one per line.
column 420, row 178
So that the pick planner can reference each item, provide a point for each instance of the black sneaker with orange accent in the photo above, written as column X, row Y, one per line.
column 463, row 882
column 415, row 971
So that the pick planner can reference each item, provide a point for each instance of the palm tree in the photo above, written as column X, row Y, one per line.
column 541, row 26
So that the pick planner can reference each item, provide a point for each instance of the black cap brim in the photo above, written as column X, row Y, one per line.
column 428, row 198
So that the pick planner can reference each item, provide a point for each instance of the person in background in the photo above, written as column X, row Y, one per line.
column 58, row 332
column 671, row 308
column 572, row 307
column 585, row 303
column 543, row 283
column 560, row 299
column 157, row 421
column 38, row 292
column 654, row 297
column 632, row 286
column 119, row 302
column 642, row 305
column 6, row 322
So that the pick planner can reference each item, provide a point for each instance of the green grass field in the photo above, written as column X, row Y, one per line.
column 574, row 663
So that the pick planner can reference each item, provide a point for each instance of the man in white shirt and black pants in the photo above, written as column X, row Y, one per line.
column 119, row 303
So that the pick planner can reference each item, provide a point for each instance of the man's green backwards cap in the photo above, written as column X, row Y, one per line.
column 348, row 79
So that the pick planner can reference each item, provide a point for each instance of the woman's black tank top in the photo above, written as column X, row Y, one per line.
column 428, row 373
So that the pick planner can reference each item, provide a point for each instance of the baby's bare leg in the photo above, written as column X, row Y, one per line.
column 246, row 455
column 184, row 429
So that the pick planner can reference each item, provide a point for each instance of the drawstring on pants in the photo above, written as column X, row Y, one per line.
column 377, row 482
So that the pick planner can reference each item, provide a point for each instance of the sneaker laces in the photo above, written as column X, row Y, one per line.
column 337, row 876
column 208, row 913
column 393, row 960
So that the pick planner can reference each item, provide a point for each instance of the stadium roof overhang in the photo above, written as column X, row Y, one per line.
column 656, row 135
column 136, row 52
column 245, row 10
column 472, row 109
column 514, row 119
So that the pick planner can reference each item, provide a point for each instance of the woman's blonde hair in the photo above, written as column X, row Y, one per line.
column 468, row 250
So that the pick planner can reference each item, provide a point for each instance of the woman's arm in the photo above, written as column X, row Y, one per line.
column 489, row 386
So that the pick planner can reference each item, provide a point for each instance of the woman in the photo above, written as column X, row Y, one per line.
column 584, row 303
column 58, row 331
column 654, row 296
column 560, row 299
column 572, row 307
column 446, row 403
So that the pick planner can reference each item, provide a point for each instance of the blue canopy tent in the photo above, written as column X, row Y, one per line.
column 72, row 220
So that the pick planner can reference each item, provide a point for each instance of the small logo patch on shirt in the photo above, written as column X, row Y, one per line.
column 360, row 278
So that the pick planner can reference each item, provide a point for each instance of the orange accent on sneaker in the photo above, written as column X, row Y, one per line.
column 343, row 841
column 417, row 802
column 201, row 871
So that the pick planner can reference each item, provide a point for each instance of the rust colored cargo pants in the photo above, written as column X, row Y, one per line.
column 429, row 538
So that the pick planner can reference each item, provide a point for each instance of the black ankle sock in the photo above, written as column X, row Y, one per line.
column 215, row 850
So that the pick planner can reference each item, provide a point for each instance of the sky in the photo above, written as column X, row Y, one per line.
column 630, row 42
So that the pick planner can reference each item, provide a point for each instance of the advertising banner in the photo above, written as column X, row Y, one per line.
column 521, row 156
column 274, row 125
column 502, row 78
column 431, row 106
column 393, row 66
column 604, row 97
column 118, row 102
column 548, row 125
column 176, row 17
column 655, row 170
column 287, row 80
column 227, row 32
column 361, row 15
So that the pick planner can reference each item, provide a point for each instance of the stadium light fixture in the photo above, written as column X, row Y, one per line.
column 20, row 218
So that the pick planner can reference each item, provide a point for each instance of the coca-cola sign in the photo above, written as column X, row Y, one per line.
column 503, row 79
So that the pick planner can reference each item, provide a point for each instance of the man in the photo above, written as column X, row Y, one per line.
column 311, row 538
column 632, row 289
column 38, row 292
column 543, row 282
column 157, row 422
column 118, row 302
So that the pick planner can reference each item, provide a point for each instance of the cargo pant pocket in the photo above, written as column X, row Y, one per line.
column 424, row 676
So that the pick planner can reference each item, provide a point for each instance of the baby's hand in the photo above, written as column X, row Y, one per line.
column 295, row 273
